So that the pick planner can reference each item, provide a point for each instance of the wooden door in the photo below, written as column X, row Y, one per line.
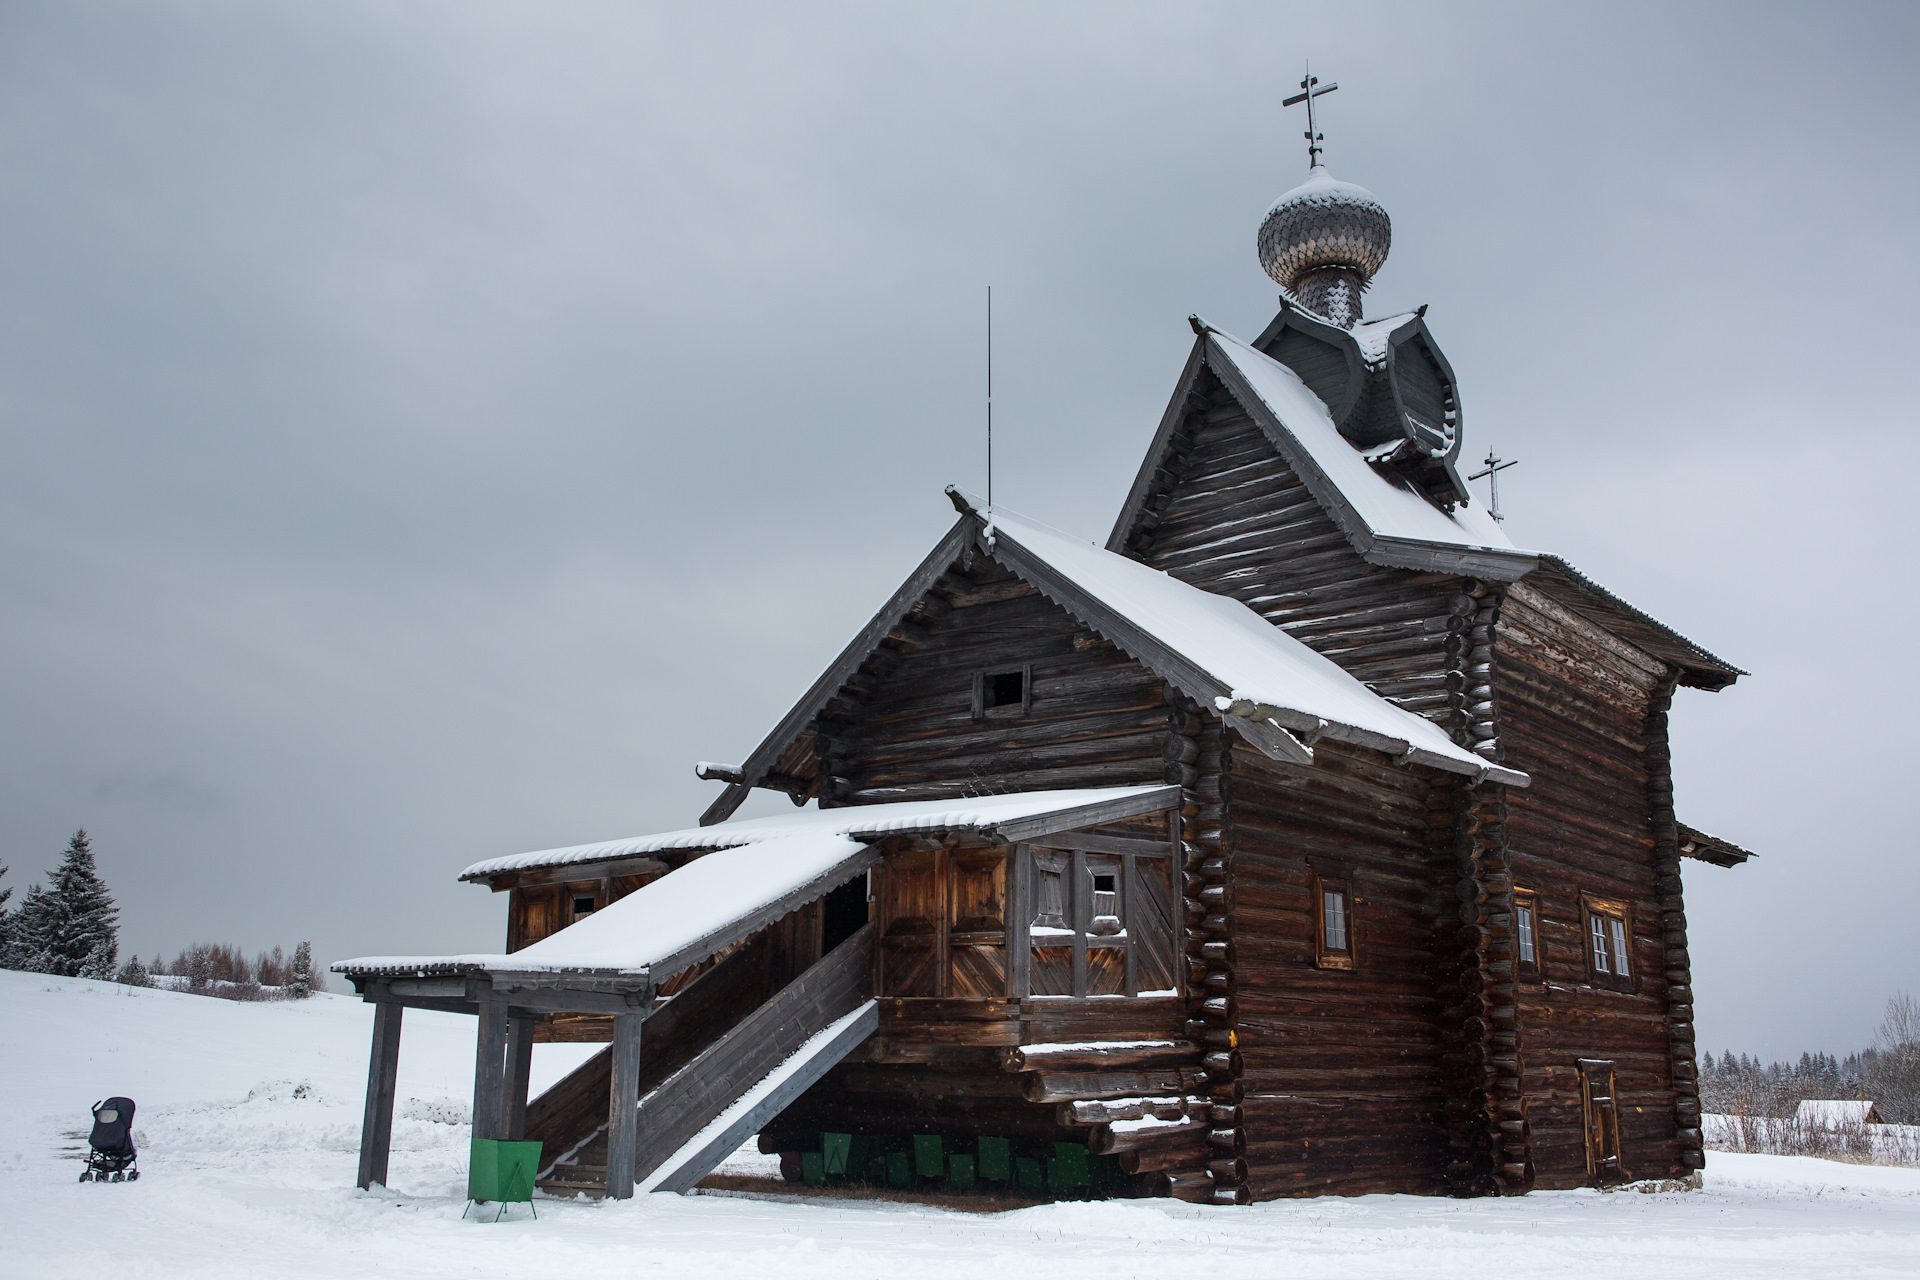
column 1601, row 1110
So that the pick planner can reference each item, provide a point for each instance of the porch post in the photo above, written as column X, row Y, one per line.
column 376, row 1124
column 519, row 1068
column 624, row 1106
column 489, row 1068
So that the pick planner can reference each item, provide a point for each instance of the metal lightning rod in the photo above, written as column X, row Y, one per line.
column 989, row 397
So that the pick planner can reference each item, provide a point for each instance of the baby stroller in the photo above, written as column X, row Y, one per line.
column 110, row 1153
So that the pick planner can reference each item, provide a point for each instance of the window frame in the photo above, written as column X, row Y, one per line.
column 1526, row 937
column 1337, row 881
column 1006, row 710
column 1615, row 918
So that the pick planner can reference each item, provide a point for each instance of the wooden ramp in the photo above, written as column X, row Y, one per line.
column 717, row 1060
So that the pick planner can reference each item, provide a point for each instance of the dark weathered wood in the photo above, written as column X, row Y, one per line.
column 383, row 1068
column 519, row 1070
column 686, row 1101
column 816, row 1057
column 768, row 752
column 489, row 1070
column 623, row 1106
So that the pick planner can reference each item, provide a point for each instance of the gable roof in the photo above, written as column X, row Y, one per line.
column 1385, row 519
column 1277, row 692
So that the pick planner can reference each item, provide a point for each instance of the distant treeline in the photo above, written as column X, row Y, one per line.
column 70, row 927
column 216, row 969
column 1888, row 1075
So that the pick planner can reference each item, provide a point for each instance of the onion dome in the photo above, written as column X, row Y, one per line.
column 1323, row 241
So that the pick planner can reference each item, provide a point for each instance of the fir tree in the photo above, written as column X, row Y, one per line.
column 6, row 923
column 133, row 974
column 70, row 928
column 26, row 933
column 300, row 982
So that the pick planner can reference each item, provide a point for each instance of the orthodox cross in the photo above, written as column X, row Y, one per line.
column 1492, row 475
column 1311, row 88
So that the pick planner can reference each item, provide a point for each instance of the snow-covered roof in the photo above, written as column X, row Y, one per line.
column 1375, row 336
column 1386, row 505
column 861, row 822
column 687, row 914
column 1252, row 668
column 1832, row 1112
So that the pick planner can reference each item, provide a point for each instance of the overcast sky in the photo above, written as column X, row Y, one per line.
column 427, row 429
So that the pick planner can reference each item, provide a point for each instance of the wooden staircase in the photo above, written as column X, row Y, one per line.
column 721, row 1039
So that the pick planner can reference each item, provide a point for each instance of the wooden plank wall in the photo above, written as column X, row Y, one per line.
column 905, row 728
column 1574, row 706
column 1341, row 1069
column 1230, row 516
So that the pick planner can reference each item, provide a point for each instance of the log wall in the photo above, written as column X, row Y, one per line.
column 1227, row 514
column 905, row 728
column 1577, row 707
column 1341, row 1069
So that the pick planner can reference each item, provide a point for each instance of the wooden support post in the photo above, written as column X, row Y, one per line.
column 519, row 1068
column 376, row 1125
column 489, row 1068
column 623, row 1106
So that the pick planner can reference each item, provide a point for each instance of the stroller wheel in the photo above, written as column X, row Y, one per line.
column 117, row 1177
column 133, row 1176
column 86, row 1175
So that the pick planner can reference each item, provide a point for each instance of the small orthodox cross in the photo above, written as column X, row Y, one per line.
column 1311, row 88
column 1492, row 476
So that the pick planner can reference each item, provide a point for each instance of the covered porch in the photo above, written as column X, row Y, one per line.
column 751, row 1045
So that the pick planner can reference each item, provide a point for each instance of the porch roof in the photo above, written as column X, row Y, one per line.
column 757, row 871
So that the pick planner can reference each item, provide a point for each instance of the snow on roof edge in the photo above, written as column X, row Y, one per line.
column 877, row 819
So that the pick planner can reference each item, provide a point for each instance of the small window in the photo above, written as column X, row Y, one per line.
column 1608, row 931
column 1526, row 936
column 1333, row 923
column 582, row 905
column 1002, row 693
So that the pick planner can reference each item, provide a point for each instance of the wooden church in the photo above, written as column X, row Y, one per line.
column 1309, row 837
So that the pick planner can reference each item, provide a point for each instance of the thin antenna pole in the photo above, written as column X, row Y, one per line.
column 989, row 397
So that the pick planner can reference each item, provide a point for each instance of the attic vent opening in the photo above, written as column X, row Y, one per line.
column 583, row 905
column 1002, row 693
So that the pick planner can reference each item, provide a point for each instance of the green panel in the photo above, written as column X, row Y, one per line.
column 960, row 1172
column 1028, row 1173
column 860, row 1153
column 813, row 1168
column 996, row 1159
column 502, row 1172
column 1071, row 1161
column 929, row 1156
column 899, row 1169
column 836, row 1148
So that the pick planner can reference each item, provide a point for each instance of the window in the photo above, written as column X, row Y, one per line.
column 1526, row 937
column 582, row 905
column 1092, row 922
column 1002, row 693
column 1608, row 931
column 1333, row 919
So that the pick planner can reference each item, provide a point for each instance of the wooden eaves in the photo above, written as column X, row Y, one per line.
column 1721, row 853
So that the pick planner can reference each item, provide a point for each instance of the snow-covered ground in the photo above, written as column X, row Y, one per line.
column 249, row 1123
